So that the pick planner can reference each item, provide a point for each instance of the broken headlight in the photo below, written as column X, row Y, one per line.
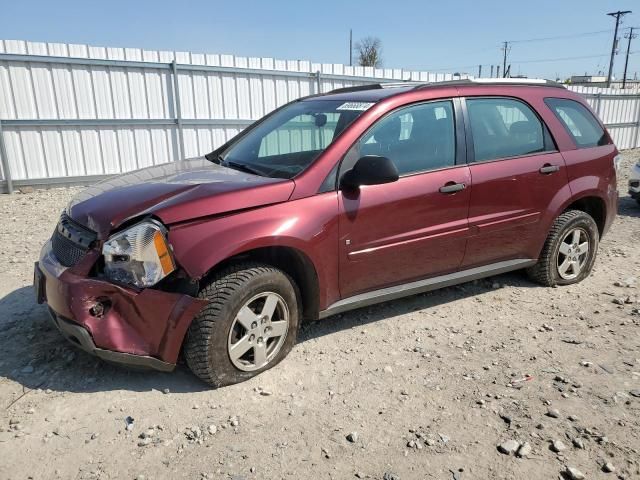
column 139, row 255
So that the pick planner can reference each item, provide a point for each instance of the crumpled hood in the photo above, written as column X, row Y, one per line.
column 174, row 192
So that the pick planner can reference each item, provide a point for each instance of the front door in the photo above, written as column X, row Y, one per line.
column 413, row 228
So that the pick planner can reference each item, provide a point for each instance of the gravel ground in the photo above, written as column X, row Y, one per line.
column 433, row 386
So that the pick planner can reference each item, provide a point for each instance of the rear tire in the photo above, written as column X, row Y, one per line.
column 234, row 338
column 569, row 252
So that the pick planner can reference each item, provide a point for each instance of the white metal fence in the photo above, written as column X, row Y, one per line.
column 72, row 113
column 68, row 112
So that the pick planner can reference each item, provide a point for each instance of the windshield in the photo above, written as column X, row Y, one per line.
column 288, row 141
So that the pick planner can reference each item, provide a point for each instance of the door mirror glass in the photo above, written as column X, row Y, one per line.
column 370, row 170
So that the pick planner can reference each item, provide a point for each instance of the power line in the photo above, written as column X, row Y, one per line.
column 561, row 37
column 506, row 46
column 558, row 59
column 538, row 60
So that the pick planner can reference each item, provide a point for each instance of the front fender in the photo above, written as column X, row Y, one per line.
column 309, row 225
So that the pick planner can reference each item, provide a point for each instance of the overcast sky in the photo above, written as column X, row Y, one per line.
column 416, row 34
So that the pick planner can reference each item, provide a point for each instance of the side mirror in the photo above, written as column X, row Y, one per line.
column 370, row 170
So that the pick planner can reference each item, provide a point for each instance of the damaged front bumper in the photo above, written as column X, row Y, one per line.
column 139, row 328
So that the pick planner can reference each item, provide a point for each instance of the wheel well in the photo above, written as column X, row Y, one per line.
column 291, row 261
column 595, row 207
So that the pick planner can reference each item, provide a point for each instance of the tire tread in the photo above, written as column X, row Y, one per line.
column 542, row 272
column 218, row 291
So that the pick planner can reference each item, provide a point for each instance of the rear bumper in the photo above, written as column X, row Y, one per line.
column 611, row 206
column 142, row 328
column 634, row 181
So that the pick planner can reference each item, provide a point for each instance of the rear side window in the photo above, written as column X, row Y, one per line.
column 504, row 127
column 578, row 121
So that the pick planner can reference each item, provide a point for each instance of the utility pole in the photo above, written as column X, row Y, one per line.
column 479, row 71
column 491, row 75
column 504, row 60
column 618, row 15
column 351, row 47
column 630, row 36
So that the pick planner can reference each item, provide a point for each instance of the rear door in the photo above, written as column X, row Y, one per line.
column 516, row 172
column 415, row 227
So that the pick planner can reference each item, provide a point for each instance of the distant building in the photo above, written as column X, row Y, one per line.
column 601, row 81
column 591, row 80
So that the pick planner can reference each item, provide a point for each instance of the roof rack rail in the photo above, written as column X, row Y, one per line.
column 466, row 81
column 518, row 81
column 371, row 86
column 496, row 81
column 376, row 86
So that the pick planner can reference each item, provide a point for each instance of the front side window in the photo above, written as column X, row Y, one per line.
column 503, row 128
column 415, row 139
column 579, row 122
column 289, row 140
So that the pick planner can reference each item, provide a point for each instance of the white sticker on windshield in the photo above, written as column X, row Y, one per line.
column 360, row 106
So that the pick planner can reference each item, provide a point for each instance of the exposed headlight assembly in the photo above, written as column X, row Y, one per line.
column 617, row 162
column 139, row 255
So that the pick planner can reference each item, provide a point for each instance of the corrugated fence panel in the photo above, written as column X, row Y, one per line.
column 76, row 110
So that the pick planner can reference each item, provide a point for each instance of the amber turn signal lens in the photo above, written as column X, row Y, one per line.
column 166, row 260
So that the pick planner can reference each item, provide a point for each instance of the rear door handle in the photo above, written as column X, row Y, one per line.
column 547, row 168
column 451, row 187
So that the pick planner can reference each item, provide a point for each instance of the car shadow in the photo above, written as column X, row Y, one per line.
column 411, row 304
column 35, row 355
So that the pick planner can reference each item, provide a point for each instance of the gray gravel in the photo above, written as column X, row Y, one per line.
column 441, row 372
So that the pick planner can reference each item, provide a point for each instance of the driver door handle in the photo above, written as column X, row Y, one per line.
column 451, row 187
column 547, row 168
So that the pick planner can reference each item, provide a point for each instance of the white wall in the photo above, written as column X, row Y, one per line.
column 58, row 103
column 70, row 111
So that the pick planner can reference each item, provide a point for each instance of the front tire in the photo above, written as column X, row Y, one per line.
column 569, row 252
column 250, row 324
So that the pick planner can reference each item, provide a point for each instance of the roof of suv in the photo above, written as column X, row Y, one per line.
column 378, row 91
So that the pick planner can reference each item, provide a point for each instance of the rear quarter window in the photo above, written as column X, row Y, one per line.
column 579, row 122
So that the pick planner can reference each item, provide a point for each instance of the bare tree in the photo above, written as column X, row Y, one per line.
column 369, row 52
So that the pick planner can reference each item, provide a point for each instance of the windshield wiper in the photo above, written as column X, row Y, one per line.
column 242, row 167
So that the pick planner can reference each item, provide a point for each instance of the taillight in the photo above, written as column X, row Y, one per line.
column 617, row 162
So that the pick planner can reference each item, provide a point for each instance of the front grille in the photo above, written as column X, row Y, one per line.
column 71, row 241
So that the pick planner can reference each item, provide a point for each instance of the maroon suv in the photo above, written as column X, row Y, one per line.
column 329, row 203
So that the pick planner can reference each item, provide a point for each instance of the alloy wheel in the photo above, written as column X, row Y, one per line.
column 258, row 331
column 573, row 253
